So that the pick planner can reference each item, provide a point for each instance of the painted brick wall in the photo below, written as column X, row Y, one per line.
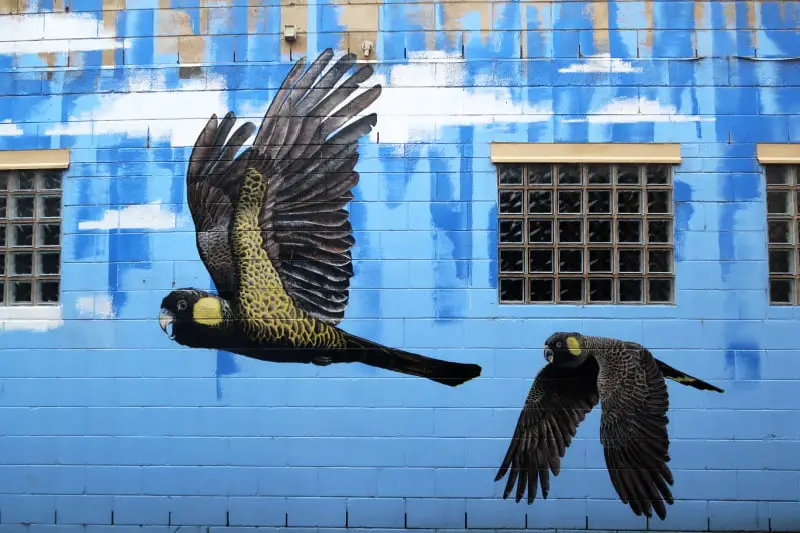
column 105, row 421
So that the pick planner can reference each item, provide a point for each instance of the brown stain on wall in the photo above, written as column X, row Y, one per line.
column 649, row 21
column 752, row 20
column 700, row 21
column 598, row 11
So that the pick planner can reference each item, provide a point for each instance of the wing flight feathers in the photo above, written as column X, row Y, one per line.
column 557, row 403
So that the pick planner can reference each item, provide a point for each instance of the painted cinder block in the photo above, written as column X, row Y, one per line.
column 261, row 512
column 376, row 512
column 317, row 512
column 439, row 513
column 83, row 509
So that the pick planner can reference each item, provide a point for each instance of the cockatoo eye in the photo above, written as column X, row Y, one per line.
column 182, row 305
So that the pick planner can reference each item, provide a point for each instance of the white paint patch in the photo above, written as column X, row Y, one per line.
column 98, row 305
column 55, row 32
column 174, row 113
column 426, row 99
column 9, row 129
column 601, row 63
column 633, row 110
column 434, row 55
column 146, row 216
column 30, row 318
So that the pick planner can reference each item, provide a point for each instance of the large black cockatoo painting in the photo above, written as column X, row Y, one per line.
column 274, row 234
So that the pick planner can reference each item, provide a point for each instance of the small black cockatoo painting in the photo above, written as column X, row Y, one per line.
column 629, row 382
column 274, row 235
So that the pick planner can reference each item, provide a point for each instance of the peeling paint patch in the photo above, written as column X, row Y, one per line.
column 57, row 32
column 9, row 129
column 148, row 216
column 30, row 318
column 601, row 63
column 415, row 113
column 98, row 306
column 632, row 110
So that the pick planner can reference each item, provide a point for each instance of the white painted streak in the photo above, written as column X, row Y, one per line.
column 146, row 216
column 30, row 317
column 601, row 63
column 121, row 113
column 434, row 55
column 427, row 101
column 633, row 110
column 9, row 129
column 97, row 305
column 55, row 32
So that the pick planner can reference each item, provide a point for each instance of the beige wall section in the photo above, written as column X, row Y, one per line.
column 542, row 12
column 752, row 19
column 778, row 154
column 455, row 11
column 256, row 16
column 10, row 7
column 34, row 159
column 175, row 34
column 111, row 9
column 649, row 19
column 296, row 15
column 598, row 12
column 585, row 153
column 361, row 22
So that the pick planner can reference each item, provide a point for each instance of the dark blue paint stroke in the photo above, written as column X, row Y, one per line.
column 743, row 361
column 226, row 366
column 510, row 19
column 177, row 190
column 371, row 270
column 492, row 246
column 683, row 214
column 143, row 51
column 615, row 39
column 395, row 175
column 127, row 249
column 452, row 218
column 83, row 247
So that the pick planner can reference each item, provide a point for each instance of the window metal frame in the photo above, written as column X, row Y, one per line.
column 786, row 157
column 36, row 162
column 586, row 155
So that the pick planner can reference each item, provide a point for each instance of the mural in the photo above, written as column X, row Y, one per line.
column 108, row 423
column 273, row 232
column 629, row 381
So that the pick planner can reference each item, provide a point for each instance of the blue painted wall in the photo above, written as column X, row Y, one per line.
column 104, row 420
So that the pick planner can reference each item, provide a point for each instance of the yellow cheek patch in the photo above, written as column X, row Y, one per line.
column 574, row 346
column 207, row 311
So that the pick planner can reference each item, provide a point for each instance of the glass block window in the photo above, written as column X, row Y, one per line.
column 30, row 237
column 783, row 232
column 585, row 234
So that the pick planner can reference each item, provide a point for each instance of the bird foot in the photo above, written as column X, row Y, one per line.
column 322, row 360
